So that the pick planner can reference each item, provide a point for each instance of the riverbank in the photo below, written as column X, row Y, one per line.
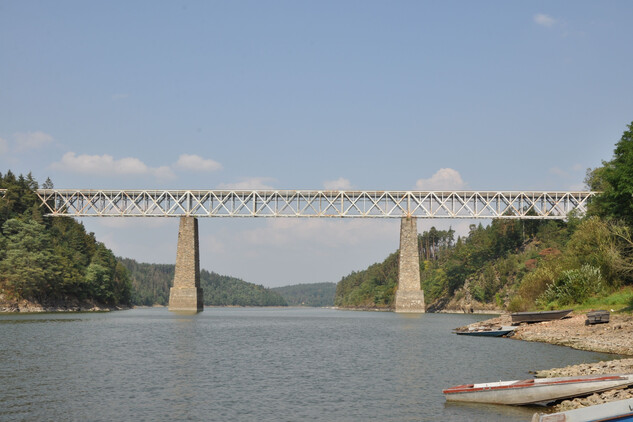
column 615, row 337
column 67, row 305
column 618, row 366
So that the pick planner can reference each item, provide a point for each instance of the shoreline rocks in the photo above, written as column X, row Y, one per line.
column 615, row 337
column 69, row 305
column 617, row 366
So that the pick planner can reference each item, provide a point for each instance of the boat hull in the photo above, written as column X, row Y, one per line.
column 519, row 317
column 519, row 392
column 621, row 410
column 489, row 333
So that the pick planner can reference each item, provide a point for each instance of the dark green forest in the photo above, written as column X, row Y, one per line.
column 315, row 294
column 52, row 259
column 151, row 283
column 524, row 264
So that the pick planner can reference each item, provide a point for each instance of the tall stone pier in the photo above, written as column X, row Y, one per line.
column 409, row 296
column 186, row 295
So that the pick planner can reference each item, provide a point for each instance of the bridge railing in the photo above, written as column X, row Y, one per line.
column 313, row 204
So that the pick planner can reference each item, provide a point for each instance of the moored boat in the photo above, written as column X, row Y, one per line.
column 487, row 332
column 535, row 390
column 540, row 316
column 621, row 410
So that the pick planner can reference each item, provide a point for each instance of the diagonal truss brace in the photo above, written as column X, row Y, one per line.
column 313, row 204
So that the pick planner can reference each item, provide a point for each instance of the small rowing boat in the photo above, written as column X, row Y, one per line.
column 535, row 390
column 519, row 317
column 487, row 332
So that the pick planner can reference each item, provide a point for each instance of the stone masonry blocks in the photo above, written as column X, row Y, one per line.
column 186, row 295
column 409, row 296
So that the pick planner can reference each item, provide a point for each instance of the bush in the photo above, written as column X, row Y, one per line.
column 537, row 281
column 594, row 244
column 573, row 286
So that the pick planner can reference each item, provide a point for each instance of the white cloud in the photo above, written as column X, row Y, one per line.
column 443, row 179
column 163, row 173
column 196, row 163
column 100, row 164
column 544, row 20
column 31, row 140
column 252, row 183
column 338, row 184
column 106, row 165
column 4, row 146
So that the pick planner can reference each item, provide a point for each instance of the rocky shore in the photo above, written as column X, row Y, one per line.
column 621, row 366
column 614, row 337
column 68, row 305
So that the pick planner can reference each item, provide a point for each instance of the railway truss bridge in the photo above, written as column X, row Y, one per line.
column 408, row 206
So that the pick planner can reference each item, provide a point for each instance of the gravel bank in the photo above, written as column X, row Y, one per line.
column 69, row 305
column 614, row 337
column 621, row 366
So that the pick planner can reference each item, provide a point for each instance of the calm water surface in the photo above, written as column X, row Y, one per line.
column 233, row 364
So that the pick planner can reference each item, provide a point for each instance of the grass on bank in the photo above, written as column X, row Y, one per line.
column 618, row 301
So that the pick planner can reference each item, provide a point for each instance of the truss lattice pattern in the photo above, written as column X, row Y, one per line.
column 316, row 204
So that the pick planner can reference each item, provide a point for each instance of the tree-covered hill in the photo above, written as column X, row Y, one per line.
column 151, row 284
column 371, row 288
column 527, row 264
column 52, row 260
column 507, row 265
column 315, row 294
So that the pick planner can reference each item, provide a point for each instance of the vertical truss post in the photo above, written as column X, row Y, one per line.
column 409, row 296
column 186, row 295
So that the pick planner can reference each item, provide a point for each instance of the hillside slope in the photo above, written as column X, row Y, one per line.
column 315, row 294
column 151, row 284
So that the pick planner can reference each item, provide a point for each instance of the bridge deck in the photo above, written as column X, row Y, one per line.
column 313, row 204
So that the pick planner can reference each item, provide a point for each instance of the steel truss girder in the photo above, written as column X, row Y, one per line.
column 314, row 204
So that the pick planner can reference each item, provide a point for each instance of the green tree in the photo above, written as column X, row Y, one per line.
column 30, row 268
column 615, row 180
column 44, row 258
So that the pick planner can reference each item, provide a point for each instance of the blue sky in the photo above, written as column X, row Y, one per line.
column 375, row 95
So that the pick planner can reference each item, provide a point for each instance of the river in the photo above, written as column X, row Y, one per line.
column 256, row 364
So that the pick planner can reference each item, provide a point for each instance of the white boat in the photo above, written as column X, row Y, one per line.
column 621, row 410
column 535, row 390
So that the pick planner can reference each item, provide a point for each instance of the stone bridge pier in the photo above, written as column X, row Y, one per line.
column 409, row 296
column 186, row 295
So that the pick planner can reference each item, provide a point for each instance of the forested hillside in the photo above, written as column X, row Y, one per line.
column 527, row 264
column 315, row 294
column 152, row 282
column 52, row 260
